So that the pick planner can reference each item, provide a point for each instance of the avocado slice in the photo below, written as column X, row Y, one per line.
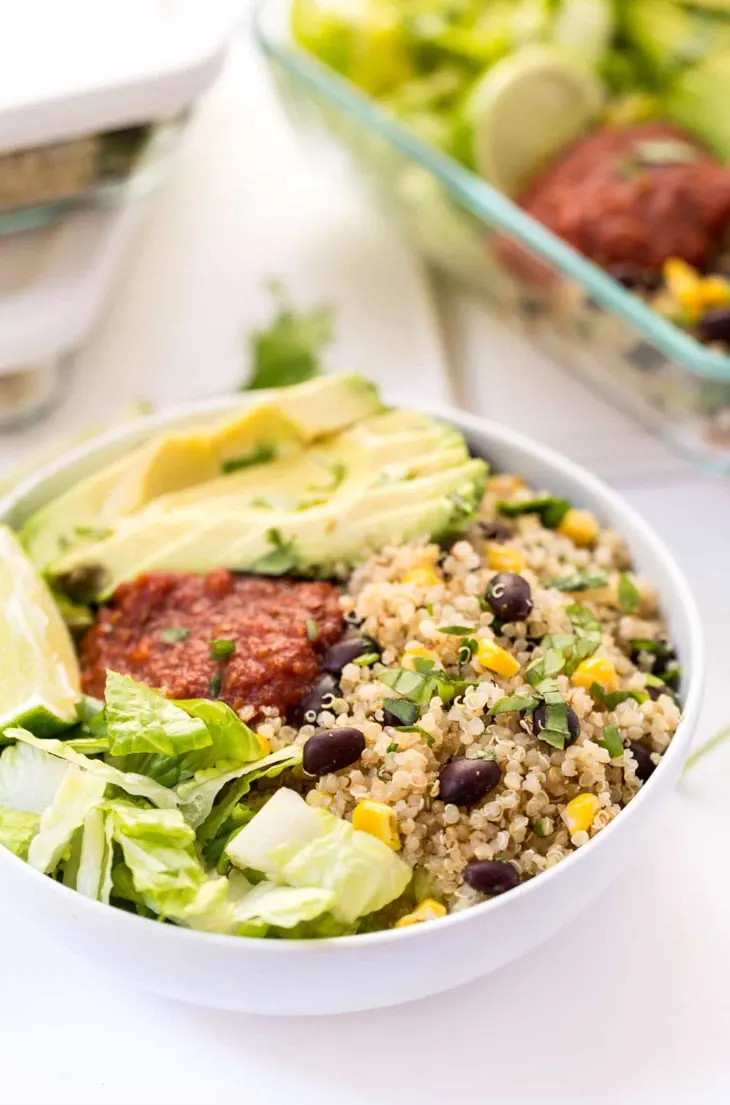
column 185, row 459
column 387, row 480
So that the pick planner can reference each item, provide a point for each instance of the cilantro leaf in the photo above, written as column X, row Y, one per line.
column 288, row 350
column 579, row 581
column 629, row 598
column 550, row 509
column 515, row 703
column 612, row 741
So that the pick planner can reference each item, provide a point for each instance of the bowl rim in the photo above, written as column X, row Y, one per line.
column 486, row 203
column 471, row 425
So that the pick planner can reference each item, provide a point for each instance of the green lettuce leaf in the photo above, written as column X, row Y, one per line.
column 29, row 778
column 137, row 785
column 282, row 906
column 159, row 851
column 78, row 794
column 94, row 873
column 139, row 719
column 17, row 829
column 198, row 796
column 294, row 844
column 231, row 738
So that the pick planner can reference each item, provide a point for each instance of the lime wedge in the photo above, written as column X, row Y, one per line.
column 39, row 673
column 526, row 109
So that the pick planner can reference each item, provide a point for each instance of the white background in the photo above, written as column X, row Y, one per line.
column 630, row 1003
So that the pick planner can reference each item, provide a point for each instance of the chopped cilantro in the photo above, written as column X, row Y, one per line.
column 401, row 708
column 173, row 633
column 221, row 649
column 551, row 510
column 515, row 703
column 538, row 827
column 312, row 629
column 484, row 754
column 612, row 741
column 552, row 663
column 467, row 649
column 393, row 747
column 587, row 632
column 94, row 533
column 215, row 684
column 629, row 598
column 455, row 630
column 653, row 647
column 672, row 677
column 555, row 731
column 612, row 699
column 483, row 604
column 579, row 581
column 288, row 351
column 425, row 683
column 261, row 454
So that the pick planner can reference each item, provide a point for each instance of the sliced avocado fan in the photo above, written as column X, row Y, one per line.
column 386, row 480
column 188, row 458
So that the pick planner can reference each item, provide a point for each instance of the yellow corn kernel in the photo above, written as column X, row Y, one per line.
column 714, row 292
column 580, row 526
column 682, row 281
column 378, row 820
column 579, row 813
column 503, row 559
column 423, row 576
column 427, row 910
column 265, row 744
column 596, row 669
column 504, row 485
column 419, row 652
column 491, row 656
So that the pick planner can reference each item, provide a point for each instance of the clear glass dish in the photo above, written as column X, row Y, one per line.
column 575, row 312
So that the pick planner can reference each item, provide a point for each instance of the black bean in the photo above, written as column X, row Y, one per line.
column 318, row 697
column 465, row 782
column 331, row 750
column 509, row 596
column 715, row 325
column 495, row 531
column 491, row 876
column 344, row 652
column 539, row 718
column 645, row 766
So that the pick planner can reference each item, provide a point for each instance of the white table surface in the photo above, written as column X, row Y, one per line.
column 630, row 1003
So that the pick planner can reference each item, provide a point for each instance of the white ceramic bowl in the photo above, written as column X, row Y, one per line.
column 384, row 968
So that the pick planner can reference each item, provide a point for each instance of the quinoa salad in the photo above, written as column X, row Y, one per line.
column 443, row 688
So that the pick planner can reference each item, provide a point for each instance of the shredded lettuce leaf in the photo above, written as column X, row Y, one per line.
column 282, row 906
column 17, row 829
column 94, row 873
column 295, row 845
column 137, row 785
column 78, row 794
column 29, row 778
column 198, row 796
column 139, row 719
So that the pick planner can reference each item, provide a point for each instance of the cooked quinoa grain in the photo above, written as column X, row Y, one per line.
column 427, row 611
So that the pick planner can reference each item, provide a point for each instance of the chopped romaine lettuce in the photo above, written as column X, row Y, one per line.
column 94, row 873
column 17, row 829
column 198, row 796
column 137, row 785
column 231, row 738
column 282, row 906
column 698, row 100
column 78, row 794
column 296, row 845
column 139, row 719
column 29, row 778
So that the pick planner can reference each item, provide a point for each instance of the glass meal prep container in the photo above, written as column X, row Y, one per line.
column 575, row 312
column 93, row 99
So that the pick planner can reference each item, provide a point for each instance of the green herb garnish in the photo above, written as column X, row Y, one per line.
column 516, row 703
column 215, row 684
column 552, row 663
column 538, row 827
column 651, row 646
column 405, row 711
column 173, row 633
column 312, row 629
column 366, row 659
column 484, row 754
column 612, row 741
column 261, row 454
column 280, row 560
column 612, row 699
column 94, row 533
column 587, row 632
column 455, row 630
column 221, row 649
column 423, row 684
column 467, row 649
column 550, row 509
column 579, row 581
column 629, row 598
column 393, row 747
column 288, row 351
